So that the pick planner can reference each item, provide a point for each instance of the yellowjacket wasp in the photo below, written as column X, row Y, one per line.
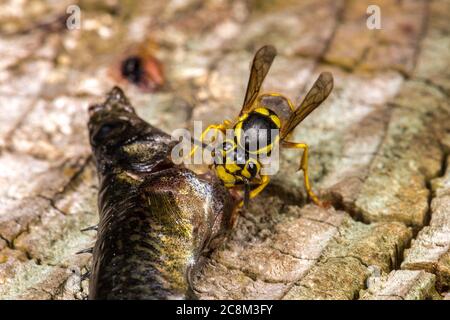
column 260, row 114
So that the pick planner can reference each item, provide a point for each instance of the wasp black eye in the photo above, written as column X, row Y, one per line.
column 252, row 168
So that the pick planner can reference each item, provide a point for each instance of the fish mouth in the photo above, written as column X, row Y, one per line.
column 108, row 119
column 116, row 102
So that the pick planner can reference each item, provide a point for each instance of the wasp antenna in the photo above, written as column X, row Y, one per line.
column 85, row 275
column 90, row 228
column 88, row 250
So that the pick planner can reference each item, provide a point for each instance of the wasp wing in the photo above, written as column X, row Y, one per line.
column 318, row 93
column 260, row 67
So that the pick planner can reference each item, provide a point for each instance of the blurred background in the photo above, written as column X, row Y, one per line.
column 379, row 144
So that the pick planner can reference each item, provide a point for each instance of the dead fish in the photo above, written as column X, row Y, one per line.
column 158, row 220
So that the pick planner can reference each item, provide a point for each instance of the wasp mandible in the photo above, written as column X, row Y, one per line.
column 261, row 115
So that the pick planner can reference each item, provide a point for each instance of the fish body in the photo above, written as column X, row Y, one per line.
column 158, row 220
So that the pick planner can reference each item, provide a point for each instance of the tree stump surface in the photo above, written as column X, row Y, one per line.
column 379, row 145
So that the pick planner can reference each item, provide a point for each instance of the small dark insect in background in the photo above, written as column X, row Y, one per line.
column 140, row 68
column 132, row 69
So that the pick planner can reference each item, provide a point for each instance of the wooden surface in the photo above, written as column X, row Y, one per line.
column 379, row 144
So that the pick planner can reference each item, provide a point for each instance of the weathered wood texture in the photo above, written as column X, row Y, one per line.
column 379, row 144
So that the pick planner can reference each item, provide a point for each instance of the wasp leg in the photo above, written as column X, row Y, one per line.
column 264, row 182
column 304, row 167
column 215, row 127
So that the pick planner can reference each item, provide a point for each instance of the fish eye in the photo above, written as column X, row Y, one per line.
column 108, row 129
column 105, row 129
